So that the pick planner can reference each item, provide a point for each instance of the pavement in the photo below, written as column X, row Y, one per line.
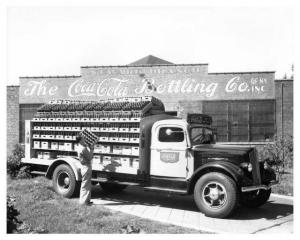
column 276, row 216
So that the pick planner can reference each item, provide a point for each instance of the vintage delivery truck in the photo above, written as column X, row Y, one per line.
column 141, row 145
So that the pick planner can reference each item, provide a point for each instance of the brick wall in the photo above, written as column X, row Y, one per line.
column 185, row 107
column 284, row 109
column 12, row 117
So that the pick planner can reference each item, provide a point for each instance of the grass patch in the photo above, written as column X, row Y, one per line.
column 285, row 186
column 42, row 208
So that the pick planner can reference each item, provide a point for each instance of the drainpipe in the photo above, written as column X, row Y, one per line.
column 282, row 130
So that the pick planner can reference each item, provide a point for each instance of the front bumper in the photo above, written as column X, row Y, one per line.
column 258, row 187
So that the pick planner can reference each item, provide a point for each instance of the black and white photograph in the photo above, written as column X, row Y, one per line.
column 149, row 118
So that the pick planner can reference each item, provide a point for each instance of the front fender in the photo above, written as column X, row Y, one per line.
column 227, row 168
column 72, row 162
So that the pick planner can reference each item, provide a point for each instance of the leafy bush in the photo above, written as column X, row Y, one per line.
column 12, row 213
column 14, row 165
column 16, row 226
column 24, row 172
column 280, row 153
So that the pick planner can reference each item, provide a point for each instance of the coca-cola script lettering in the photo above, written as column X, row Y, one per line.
column 110, row 87
column 168, row 87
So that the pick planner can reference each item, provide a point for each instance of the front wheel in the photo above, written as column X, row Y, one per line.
column 64, row 181
column 256, row 198
column 216, row 195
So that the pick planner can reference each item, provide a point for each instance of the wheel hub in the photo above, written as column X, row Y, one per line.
column 214, row 195
column 63, row 181
column 67, row 181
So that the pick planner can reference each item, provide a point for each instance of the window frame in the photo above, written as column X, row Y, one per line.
column 23, row 108
column 166, row 127
column 247, row 124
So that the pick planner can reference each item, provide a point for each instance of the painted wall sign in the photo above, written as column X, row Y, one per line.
column 170, row 84
column 169, row 157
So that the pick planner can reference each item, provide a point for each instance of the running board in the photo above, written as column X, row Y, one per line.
column 170, row 190
column 38, row 173
column 104, row 180
column 174, row 184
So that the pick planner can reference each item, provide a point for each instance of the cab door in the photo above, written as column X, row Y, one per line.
column 169, row 151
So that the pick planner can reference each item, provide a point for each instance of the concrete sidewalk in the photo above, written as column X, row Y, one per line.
column 274, row 217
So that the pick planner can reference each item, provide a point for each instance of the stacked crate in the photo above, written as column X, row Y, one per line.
column 116, row 122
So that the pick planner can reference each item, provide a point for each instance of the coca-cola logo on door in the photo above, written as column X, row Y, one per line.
column 169, row 157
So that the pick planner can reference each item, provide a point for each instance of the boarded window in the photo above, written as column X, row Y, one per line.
column 242, row 121
column 27, row 112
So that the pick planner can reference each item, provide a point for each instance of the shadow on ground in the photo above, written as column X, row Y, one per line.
column 132, row 195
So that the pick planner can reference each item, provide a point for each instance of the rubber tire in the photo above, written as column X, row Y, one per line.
column 112, row 187
column 231, row 191
column 74, row 187
column 251, row 200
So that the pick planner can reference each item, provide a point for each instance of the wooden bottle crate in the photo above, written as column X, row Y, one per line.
column 54, row 145
column 123, row 129
column 36, row 144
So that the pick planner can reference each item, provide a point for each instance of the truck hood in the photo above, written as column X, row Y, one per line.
column 222, row 149
column 206, row 153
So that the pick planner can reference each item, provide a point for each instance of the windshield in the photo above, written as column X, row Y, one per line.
column 201, row 135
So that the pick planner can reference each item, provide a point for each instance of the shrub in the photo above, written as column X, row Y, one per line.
column 16, row 226
column 24, row 172
column 14, row 160
column 279, row 153
column 12, row 213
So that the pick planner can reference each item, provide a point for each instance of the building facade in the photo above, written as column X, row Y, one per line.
column 246, row 106
column 12, row 114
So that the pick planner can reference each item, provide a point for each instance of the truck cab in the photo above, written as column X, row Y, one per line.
column 171, row 147
column 175, row 155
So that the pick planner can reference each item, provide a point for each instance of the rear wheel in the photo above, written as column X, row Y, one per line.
column 112, row 187
column 255, row 198
column 64, row 181
column 216, row 195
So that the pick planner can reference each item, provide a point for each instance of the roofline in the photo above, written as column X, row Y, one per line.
column 145, row 65
column 66, row 76
column 216, row 73
column 283, row 80
column 158, row 65
column 12, row 85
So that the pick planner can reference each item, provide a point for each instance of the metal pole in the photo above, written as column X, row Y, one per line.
column 282, row 130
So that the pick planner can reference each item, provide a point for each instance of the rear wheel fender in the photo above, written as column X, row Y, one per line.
column 72, row 162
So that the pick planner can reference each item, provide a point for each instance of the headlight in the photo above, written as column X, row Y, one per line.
column 266, row 165
column 246, row 165
column 249, row 167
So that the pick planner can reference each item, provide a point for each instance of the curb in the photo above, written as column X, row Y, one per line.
column 199, row 226
column 282, row 196
column 204, row 229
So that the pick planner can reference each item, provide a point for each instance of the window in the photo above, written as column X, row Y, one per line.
column 27, row 112
column 201, row 135
column 171, row 134
column 242, row 121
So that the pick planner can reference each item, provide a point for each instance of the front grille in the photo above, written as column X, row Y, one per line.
column 262, row 172
column 267, row 175
column 256, row 175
